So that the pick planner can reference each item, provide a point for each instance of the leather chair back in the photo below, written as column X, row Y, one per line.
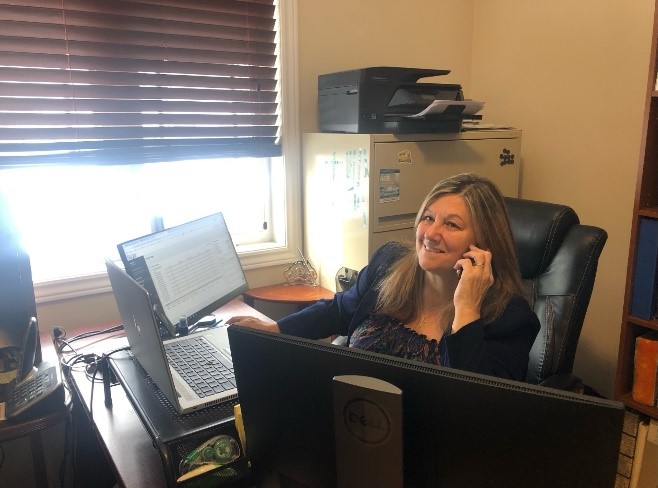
column 558, row 258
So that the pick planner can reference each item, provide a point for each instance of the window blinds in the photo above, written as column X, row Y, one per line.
column 133, row 81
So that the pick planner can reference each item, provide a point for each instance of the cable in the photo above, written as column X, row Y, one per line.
column 68, row 440
column 89, row 363
column 99, row 365
column 105, row 370
column 96, row 332
column 62, row 343
column 59, row 335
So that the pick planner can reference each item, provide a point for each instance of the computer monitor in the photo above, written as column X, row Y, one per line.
column 460, row 429
column 190, row 270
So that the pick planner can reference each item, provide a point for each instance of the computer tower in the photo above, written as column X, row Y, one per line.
column 17, row 302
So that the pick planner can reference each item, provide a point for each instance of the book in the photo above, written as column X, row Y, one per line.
column 645, row 465
column 643, row 296
column 645, row 369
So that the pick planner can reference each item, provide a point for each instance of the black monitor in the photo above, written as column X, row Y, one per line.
column 460, row 429
column 190, row 270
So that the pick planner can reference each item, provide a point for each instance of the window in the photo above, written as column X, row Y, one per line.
column 71, row 214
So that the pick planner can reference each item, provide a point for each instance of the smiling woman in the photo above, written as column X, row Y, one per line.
column 417, row 308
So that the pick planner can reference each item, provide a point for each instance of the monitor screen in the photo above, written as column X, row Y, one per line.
column 190, row 270
column 459, row 429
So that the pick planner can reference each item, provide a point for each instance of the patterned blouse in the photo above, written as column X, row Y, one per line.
column 385, row 335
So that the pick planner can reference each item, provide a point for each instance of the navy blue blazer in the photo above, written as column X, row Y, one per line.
column 500, row 348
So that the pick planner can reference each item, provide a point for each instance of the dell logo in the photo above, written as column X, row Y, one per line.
column 367, row 421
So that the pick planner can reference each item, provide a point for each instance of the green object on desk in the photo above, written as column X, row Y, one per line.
column 211, row 455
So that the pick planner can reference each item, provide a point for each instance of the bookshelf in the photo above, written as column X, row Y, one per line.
column 645, row 207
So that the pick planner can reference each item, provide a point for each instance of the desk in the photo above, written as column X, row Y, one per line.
column 300, row 295
column 127, row 446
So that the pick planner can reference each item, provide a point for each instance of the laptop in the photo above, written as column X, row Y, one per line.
column 190, row 270
column 180, row 385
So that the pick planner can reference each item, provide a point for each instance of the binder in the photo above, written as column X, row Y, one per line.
column 645, row 369
column 643, row 298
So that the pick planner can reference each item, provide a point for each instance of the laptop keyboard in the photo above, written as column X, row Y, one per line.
column 201, row 365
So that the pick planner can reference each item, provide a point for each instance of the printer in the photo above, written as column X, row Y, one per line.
column 382, row 100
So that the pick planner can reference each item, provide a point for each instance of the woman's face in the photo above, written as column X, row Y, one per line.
column 444, row 233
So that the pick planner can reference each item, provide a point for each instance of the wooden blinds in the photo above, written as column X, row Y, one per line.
column 132, row 81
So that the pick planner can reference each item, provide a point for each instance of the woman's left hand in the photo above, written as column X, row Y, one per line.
column 476, row 277
column 254, row 323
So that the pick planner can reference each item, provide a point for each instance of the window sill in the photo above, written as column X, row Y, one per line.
column 96, row 284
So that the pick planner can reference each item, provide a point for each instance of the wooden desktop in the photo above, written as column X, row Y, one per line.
column 127, row 446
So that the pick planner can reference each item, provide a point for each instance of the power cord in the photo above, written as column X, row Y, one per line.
column 59, row 335
column 90, row 364
column 103, row 365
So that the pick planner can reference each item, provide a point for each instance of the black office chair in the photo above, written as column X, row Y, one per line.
column 558, row 258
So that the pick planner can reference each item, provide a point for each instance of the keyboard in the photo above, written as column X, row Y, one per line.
column 201, row 366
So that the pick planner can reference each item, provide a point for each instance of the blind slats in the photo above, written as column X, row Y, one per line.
column 38, row 120
column 131, row 133
column 78, row 76
column 238, row 54
column 109, row 64
column 262, row 41
column 35, row 77
column 134, row 93
column 16, row 105
column 144, row 153
column 239, row 12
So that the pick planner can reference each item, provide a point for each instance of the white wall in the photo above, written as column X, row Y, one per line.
column 573, row 76
column 346, row 34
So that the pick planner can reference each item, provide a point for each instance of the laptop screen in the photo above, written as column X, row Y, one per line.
column 190, row 270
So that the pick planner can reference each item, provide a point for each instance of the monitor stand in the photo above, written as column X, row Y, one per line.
column 368, row 429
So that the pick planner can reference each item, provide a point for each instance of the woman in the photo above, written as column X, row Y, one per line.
column 454, row 299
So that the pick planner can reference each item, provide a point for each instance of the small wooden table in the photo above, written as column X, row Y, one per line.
column 300, row 295
column 33, row 422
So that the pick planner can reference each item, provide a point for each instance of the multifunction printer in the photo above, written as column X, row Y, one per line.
column 387, row 100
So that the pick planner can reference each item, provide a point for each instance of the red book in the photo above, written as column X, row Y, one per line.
column 645, row 373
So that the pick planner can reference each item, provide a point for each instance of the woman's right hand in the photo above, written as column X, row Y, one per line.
column 254, row 323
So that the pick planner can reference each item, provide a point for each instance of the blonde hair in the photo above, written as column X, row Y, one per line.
column 399, row 293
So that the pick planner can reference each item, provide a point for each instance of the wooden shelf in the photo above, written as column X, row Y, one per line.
column 645, row 206
column 648, row 212
column 647, row 324
column 627, row 399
